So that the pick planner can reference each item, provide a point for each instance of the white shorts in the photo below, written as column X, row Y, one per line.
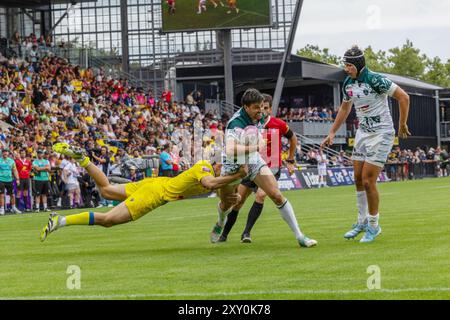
column 373, row 148
column 254, row 166
column 322, row 171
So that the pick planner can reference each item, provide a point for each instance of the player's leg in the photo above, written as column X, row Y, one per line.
column 361, row 201
column 107, row 190
column 267, row 182
column 243, row 191
column 118, row 215
column 12, row 198
column 370, row 175
column 26, row 188
column 253, row 215
column 224, row 207
column 378, row 147
column 2, row 198
column 142, row 201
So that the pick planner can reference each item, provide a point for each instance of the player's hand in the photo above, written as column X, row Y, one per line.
column 403, row 131
column 243, row 171
column 328, row 141
column 291, row 168
column 261, row 144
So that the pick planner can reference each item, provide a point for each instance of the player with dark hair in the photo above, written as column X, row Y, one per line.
column 274, row 129
column 369, row 92
column 242, row 145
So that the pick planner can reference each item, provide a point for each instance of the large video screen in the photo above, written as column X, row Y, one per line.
column 189, row 15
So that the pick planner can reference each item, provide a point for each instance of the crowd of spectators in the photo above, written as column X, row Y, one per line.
column 312, row 113
column 409, row 164
column 44, row 99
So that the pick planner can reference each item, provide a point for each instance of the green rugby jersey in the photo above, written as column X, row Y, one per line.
column 369, row 93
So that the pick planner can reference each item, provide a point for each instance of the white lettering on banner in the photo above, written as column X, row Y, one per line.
column 286, row 184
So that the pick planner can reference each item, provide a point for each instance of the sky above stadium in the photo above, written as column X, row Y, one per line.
column 383, row 24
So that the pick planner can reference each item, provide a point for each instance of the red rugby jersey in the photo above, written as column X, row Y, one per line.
column 275, row 128
column 24, row 168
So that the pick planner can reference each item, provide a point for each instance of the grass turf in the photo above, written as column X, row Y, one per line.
column 251, row 13
column 167, row 254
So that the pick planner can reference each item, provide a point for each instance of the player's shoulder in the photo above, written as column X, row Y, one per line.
column 204, row 166
column 347, row 81
column 276, row 123
column 379, row 82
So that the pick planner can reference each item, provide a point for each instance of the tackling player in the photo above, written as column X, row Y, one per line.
column 275, row 128
column 251, row 115
column 369, row 92
column 141, row 197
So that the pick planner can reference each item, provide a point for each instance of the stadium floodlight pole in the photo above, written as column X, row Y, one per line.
column 287, row 52
column 124, row 35
column 438, row 120
column 228, row 65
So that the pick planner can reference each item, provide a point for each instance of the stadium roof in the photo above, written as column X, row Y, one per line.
column 36, row 3
column 411, row 82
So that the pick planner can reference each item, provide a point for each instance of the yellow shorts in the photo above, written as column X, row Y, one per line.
column 144, row 196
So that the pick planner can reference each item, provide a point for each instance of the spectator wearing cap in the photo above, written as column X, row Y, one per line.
column 24, row 167
column 41, row 168
column 134, row 175
column 166, row 162
column 7, row 170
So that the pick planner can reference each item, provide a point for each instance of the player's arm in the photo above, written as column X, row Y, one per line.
column 290, row 161
column 341, row 116
column 403, row 100
column 212, row 183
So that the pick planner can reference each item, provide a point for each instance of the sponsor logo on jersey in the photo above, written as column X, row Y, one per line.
column 206, row 169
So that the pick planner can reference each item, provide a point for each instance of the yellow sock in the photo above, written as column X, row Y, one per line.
column 83, row 218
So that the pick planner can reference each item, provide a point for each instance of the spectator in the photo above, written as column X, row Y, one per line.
column 71, row 174
column 166, row 162
column 7, row 170
column 24, row 167
column 41, row 168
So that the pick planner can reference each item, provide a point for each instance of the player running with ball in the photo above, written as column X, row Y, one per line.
column 236, row 150
column 274, row 128
column 369, row 92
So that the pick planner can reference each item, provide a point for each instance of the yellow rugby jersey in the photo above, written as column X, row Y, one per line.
column 187, row 184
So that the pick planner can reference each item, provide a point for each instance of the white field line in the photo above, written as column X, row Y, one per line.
column 224, row 294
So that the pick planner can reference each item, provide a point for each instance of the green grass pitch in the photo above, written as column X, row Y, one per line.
column 251, row 13
column 167, row 254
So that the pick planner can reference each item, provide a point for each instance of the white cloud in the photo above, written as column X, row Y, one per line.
column 336, row 24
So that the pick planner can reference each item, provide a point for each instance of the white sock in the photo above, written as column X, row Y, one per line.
column 373, row 220
column 45, row 206
column 222, row 219
column 363, row 209
column 287, row 212
column 61, row 221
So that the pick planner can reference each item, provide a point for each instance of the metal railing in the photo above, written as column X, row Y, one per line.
column 445, row 129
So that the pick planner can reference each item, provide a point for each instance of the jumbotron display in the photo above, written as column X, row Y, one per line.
column 188, row 15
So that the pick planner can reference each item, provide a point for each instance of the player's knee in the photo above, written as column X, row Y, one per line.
column 108, row 221
column 260, row 198
column 368, row 184
column 276, row 196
